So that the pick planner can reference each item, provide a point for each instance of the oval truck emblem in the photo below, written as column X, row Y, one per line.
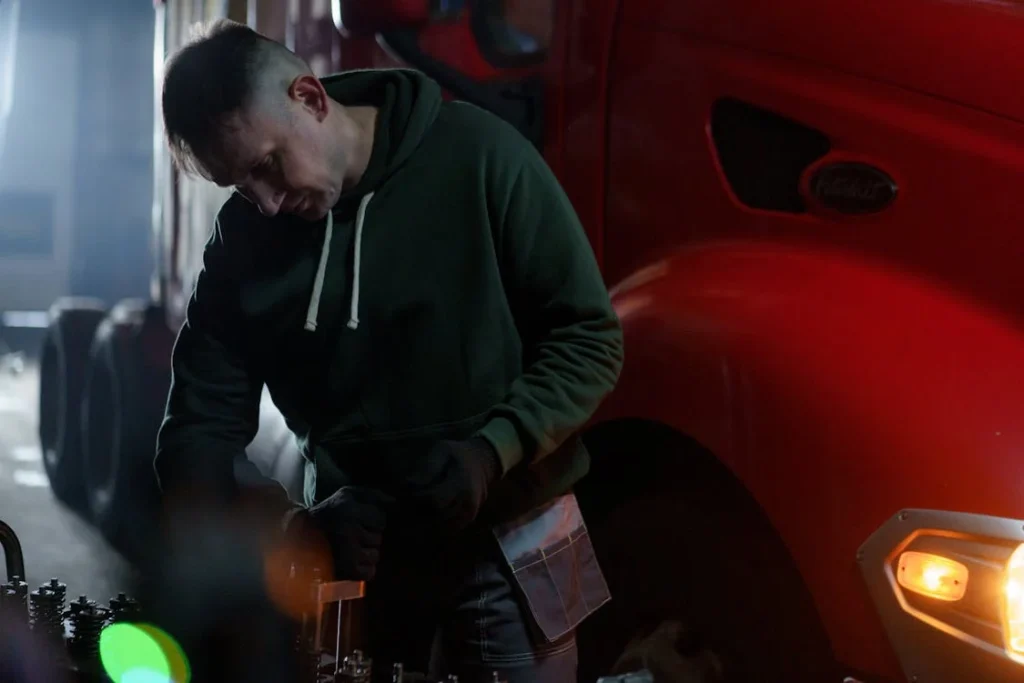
column 853, row 188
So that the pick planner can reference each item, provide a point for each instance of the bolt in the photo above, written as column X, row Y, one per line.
column 80, row 604
column 904, row 515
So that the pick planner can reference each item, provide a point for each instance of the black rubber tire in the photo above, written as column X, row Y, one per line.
column 121, row 414
column 680, row 540
column 62, row 368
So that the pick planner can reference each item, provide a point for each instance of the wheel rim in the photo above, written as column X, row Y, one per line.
column 104, row 431
column 750, row 640
column 671, row 652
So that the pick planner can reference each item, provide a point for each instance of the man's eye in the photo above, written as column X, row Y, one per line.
column 263, row 167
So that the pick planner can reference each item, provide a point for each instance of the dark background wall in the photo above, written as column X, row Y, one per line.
column 76, row 166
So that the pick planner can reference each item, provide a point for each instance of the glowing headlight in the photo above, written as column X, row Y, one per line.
column 933, row 575
column 1013, row 589
column 962, row 574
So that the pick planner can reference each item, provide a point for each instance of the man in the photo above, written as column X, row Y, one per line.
column 410, row 282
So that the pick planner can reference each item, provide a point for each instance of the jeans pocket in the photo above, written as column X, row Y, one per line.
column 562, row 584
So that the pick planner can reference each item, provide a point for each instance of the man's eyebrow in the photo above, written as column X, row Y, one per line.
column 251, row 165
column 224, row 176
column 243, row 169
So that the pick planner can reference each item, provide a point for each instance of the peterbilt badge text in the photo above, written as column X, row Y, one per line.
column 853, row 188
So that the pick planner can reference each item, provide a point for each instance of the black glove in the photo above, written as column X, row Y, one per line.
column 352, row 521
column 466, row 470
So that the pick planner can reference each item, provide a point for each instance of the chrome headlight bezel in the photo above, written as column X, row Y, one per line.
column 942, row 641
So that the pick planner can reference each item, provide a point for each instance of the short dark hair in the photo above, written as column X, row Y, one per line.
column 213, row 76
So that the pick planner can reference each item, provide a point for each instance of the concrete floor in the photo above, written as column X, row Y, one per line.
column 55, row 541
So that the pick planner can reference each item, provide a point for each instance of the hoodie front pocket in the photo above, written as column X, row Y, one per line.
column 391, row 461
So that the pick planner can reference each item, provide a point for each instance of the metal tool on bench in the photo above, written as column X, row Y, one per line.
column 326, row 666
column 70, row 631
column 15, row 591
column 320, row 664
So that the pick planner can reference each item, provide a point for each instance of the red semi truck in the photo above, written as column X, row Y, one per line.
column 807, row 214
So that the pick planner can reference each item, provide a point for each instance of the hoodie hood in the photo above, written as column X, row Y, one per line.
column 408, row 103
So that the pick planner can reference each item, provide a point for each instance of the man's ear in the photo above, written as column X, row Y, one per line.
column 309, row 92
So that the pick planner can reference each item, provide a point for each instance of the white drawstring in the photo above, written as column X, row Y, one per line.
column 353, row 319
column 318, row 284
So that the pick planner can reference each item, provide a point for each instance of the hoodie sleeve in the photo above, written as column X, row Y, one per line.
column 212, row 411
column 572, row 339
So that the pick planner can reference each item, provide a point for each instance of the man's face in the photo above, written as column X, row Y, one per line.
column 282, row 155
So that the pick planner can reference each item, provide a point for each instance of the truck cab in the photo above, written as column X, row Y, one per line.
column 806, row 215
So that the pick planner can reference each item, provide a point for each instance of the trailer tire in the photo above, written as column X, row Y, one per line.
column 686, row 551
column 121, row 414
column 63, row 365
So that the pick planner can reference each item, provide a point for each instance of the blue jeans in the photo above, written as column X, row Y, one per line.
column 455, row 607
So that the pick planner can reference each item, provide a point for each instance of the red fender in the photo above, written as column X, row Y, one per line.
column 838, row 391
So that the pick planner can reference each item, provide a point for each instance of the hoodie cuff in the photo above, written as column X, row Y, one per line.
column 504, row 438
column 288, row 519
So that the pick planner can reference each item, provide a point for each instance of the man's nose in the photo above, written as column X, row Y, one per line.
column 268, row 200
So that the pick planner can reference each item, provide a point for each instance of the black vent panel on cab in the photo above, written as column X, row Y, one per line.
column 763, row 154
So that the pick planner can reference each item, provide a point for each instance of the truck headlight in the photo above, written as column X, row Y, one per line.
column 950, row 590
column 1013, row 608
column 931, row 575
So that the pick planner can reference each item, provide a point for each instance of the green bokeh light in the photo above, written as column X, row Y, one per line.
column 141, row 653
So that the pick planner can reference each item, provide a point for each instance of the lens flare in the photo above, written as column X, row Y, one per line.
column 142, row 653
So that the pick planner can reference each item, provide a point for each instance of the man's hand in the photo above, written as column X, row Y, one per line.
column 352, row 521
column 466, row 470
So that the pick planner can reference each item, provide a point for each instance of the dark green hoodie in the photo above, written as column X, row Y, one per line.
column 451, row 293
